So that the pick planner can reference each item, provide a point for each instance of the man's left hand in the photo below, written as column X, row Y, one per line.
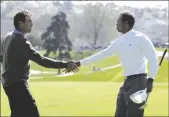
column 149, row 85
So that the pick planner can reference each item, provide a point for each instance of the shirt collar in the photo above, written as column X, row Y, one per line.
column 128, row 33
column 19, row 32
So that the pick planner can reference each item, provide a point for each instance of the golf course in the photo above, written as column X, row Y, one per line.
column 88, row 93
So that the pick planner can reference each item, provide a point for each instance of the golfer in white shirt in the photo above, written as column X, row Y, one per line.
column 133, row 49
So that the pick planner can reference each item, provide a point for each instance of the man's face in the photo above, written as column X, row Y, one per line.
column 27, row 25
column 121, row 26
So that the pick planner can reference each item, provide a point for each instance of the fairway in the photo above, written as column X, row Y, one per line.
column 91, row 94
column 86, row 99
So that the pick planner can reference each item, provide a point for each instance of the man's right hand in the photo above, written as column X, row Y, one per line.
column 72, row 66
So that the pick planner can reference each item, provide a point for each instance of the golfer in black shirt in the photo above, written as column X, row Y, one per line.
column 16, row 53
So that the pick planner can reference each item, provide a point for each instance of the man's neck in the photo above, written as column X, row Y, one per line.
column 124, row 32
column 18, row 29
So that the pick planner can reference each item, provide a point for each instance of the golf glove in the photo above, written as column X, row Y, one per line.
column 149, row 85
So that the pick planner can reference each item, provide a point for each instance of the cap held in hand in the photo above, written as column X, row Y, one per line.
column 139, row 96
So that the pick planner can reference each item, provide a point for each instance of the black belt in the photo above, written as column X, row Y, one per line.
column 137, row 75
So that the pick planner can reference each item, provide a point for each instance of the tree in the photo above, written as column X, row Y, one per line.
column 97, row 22
column 56, row 35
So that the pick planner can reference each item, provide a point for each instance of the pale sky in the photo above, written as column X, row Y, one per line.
column 138, row 4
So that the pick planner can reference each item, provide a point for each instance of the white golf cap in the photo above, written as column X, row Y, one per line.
column 139, row 96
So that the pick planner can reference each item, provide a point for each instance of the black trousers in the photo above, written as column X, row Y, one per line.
column 21, row 101
column 125, row 106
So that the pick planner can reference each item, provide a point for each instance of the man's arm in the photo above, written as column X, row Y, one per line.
column 150, row 53
column 29, row 53
column 102, row 54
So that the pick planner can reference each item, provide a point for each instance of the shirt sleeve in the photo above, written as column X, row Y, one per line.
column 102, row 54
column 150, row 53
column 28, row 52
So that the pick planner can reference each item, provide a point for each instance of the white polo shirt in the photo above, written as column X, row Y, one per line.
column 133, row 49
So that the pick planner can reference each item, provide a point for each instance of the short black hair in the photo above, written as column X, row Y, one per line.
column 20, row 16
column 129, row 18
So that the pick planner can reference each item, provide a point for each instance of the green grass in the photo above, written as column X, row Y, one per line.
column 109, row 61
column 114, row 75
column 89, row 94
column 162, row 75
column 162, row 49
column 86, row 99
column 35, row 66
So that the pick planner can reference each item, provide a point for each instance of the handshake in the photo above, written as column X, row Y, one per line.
column 72, row 66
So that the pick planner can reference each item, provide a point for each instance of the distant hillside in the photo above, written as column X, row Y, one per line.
column 151, row 21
